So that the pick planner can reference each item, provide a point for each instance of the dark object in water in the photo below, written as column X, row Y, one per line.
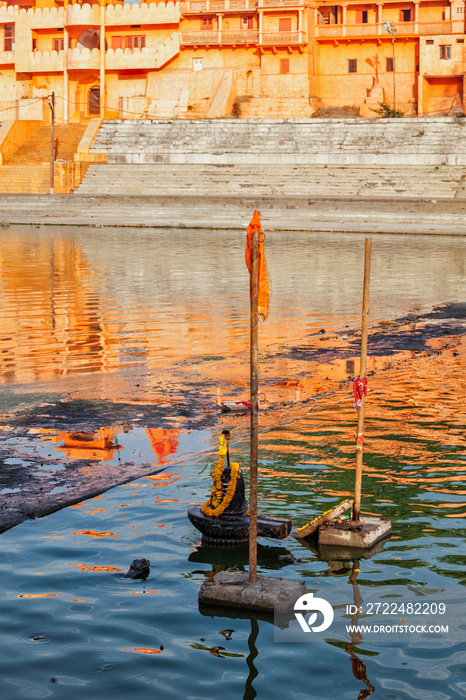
column 287, row 558
column 140, row 568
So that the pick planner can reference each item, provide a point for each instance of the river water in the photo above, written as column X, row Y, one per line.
column 158, row 321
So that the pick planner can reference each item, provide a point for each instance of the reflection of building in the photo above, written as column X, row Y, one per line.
column 164, row 442
column 52, row 323
column 276, row 57
column 98, row 445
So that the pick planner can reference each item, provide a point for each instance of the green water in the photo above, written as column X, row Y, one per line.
column 73, row 627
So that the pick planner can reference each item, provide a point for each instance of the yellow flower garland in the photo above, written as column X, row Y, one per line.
column 230, row 492
column 218, row 505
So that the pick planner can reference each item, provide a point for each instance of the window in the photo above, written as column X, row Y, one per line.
column 389, row 64
column 9, row 43
column 460, row 41
column 352, row 65
column 405, row 15
column 445, row 51
column 429, row 41
column 34, row 44
column 58, row 45
column 207, row 23
column 284, row 65
column 197, row 63
column 361, row 16
column 364, row 17
column 284, row 24
column 134, row 42
column 246, row 23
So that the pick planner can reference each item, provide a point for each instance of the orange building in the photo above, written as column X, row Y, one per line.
column 249, row 58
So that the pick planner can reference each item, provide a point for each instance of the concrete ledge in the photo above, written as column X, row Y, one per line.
column 83, row 155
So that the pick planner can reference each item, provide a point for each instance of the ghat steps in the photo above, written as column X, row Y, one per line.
column 301, row 142
column 27, row 170
column 38, row 147
column 128, row 180
column 24, row 179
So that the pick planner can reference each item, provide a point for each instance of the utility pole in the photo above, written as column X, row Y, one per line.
column 52, row 145
column 391, row 30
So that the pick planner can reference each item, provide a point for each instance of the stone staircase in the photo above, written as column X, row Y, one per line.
column 396, row 158
column 25, row 179
column 301, row 142
column 27, row 170
column 191, row 180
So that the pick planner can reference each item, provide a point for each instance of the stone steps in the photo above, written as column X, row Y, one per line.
column 252, row 142
column 37, row 147
column 281, row 180
column 25, row 179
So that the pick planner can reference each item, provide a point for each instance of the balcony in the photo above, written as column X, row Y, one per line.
column 325, row 31
column 7, row 57
column 191, row 7
column 280, row 3
column 152, row 13
column 282, row 39
column 78, row 59
column 249, row 36
column 82, row 15
column 146, row 58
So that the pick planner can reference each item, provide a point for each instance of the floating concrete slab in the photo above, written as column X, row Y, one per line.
column 362, row 534
column 232, row 588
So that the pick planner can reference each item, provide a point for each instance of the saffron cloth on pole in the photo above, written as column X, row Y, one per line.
column 264, row 292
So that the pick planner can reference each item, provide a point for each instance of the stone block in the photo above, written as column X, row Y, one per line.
column 232, row 588
column 362, row 534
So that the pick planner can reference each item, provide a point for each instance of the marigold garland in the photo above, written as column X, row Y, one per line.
column 217, row 505
column 230, row 492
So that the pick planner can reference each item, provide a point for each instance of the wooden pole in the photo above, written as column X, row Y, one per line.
column 254, row 393
column 362, row 374
column 52, row 144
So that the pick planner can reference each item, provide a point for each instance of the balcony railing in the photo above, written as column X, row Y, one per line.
column 249, row 36
column 148, row 57
column 282, row 38
column 7, row 57
column 194, row 6
column 401, row 29
column 279, row 3
column 435, row 27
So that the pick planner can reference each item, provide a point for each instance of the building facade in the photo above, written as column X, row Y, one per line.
column 246, row 58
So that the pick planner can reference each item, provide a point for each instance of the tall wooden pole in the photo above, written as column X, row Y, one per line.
column 254, row 391
column 52, row 143
column 362, row 374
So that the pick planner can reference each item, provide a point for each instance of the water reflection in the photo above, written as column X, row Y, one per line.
column 78, row 303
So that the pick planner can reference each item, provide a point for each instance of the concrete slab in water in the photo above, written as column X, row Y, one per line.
column 361, row 533
column 232, row 588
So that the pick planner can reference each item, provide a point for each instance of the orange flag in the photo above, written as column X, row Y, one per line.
column 264, row 293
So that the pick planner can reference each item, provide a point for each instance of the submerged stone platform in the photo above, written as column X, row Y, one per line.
column 232, row 588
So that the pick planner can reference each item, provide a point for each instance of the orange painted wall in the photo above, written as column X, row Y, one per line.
column 306, row 61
